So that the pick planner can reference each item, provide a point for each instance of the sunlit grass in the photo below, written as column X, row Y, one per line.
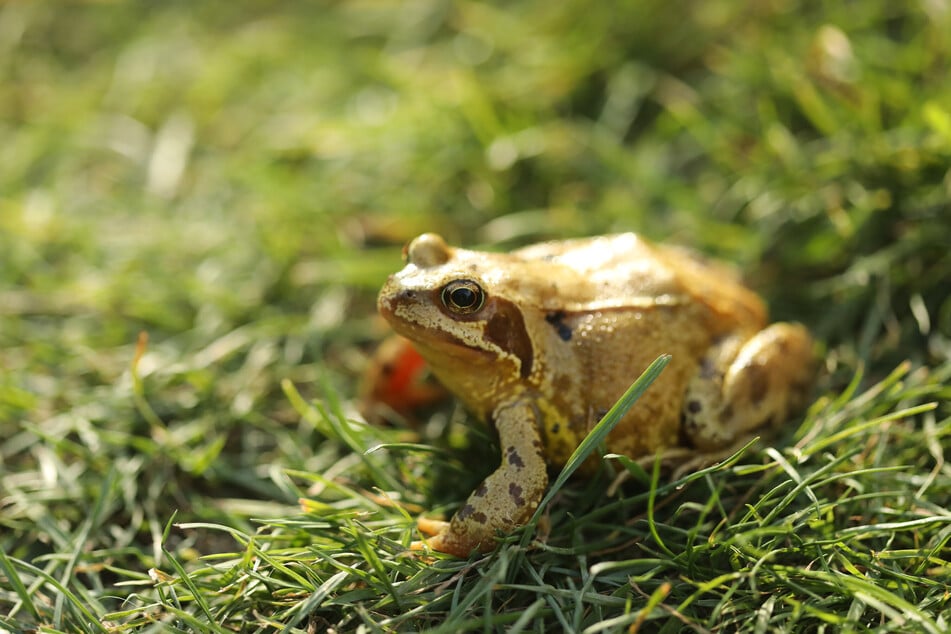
column 236, row 181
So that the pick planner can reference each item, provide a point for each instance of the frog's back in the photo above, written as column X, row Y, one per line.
column 626, row 271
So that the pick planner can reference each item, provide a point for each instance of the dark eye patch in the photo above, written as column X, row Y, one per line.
column 506, row 329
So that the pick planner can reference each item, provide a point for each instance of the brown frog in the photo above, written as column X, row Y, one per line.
column 542, row 341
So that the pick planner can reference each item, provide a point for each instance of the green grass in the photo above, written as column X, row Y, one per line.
column 237, row 179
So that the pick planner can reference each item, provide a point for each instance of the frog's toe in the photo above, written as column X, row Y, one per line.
column 421, row 545
column 444, row 543
column 431, row 527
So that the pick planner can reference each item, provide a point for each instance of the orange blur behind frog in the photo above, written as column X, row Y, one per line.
column 540, row 343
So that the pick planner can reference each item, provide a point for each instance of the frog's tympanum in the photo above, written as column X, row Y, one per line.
column 542, row 341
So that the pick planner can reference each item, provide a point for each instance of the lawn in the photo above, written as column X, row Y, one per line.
column 199, row 201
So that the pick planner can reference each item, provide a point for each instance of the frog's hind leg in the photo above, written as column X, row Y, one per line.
column 744, row 384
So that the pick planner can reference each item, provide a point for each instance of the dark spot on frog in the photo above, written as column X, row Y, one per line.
column 480, row 517
column 465, row 512
column 506, row 329
column 481, row 491
column 801, row 389
column 556, row 319
column 759, row 383
column 707, row 368
column 726, row 414
column 515, row 491
column 514, row 458
column 694, row 406
column 690, row 424
column 556, row 428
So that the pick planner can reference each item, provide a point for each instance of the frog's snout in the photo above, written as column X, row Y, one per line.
column 390, row 298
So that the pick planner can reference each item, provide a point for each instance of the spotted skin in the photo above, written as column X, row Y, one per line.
column 506, row 499
column 557, row 320
column 748, row 383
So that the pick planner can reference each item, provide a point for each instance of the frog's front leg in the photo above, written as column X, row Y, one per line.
column 748, row 382
column 507, row 498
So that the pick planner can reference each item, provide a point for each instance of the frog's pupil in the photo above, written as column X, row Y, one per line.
column 463, row 297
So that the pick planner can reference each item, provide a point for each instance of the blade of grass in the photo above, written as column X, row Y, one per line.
column 6, row 566
column 651, row 522
column 600, row 432
column 851, row 430
column 332, row 422
column 196, row 594
column 89, row 621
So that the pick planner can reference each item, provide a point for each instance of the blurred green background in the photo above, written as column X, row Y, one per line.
column 236, row 179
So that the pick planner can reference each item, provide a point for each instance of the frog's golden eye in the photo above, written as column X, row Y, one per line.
column 463, row 297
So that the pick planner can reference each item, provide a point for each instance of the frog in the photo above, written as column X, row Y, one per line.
column 540, row 342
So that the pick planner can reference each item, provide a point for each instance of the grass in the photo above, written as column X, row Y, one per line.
column 236, row 180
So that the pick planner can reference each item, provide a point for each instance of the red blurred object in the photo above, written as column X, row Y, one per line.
column 397, row 384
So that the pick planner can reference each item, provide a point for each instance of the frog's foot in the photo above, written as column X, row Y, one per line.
column 431, row 527
column 744, row 384
column 459, row 538
column 441, row 539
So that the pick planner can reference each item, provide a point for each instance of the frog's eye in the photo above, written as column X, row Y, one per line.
column 463, row 296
